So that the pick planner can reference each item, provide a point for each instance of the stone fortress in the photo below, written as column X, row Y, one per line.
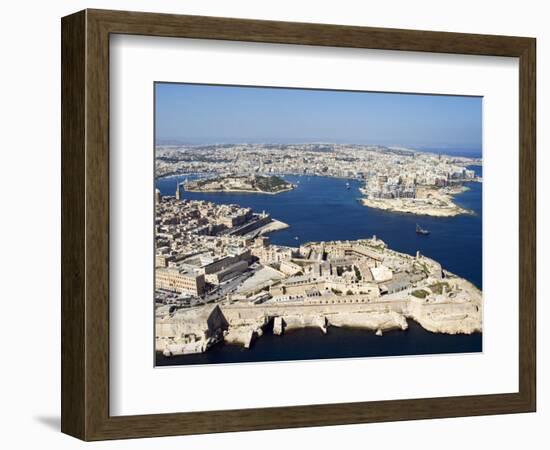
column 218, row 277
column 215, row 283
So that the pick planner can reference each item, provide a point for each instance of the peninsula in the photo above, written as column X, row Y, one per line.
column 257, row 184
column 219, row 279
column 426, row 200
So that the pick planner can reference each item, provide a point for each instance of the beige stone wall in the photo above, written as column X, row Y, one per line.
column 239, row 311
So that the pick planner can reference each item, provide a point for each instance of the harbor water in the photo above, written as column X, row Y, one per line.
column 325, row 209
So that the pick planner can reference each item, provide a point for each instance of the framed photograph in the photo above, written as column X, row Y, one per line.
column 273, row 225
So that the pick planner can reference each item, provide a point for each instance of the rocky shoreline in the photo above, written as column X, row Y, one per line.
column 439, row 203
column 383, row 290
column 451, row 210
column 242, row 325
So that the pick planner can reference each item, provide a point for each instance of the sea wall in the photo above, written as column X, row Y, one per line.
column 247, row 322
column 241, row 324
column 235, row 312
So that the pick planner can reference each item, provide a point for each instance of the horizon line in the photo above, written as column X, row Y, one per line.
column 170, row 141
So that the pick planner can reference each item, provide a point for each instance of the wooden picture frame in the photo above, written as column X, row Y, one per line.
column 85, row 224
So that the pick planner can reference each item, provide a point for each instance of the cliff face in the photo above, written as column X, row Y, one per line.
column 305, row 321
column 443, row 303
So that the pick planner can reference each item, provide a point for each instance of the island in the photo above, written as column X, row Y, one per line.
column 219, row 279
column 257, row 184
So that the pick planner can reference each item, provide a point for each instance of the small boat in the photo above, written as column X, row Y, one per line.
column 347, row 186
column 420, row 230
column 296, row 238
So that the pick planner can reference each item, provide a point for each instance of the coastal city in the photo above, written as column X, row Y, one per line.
column 395, row 179
column 219, row 278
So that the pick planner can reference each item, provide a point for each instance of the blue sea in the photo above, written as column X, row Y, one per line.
column 323, row 209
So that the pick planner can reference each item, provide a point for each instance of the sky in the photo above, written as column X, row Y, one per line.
column 208, row 114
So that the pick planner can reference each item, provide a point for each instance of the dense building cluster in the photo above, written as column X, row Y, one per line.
column 338, row 272
column 398, row 177
column 397, row 166
column 201, row 244
column 202, row 254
